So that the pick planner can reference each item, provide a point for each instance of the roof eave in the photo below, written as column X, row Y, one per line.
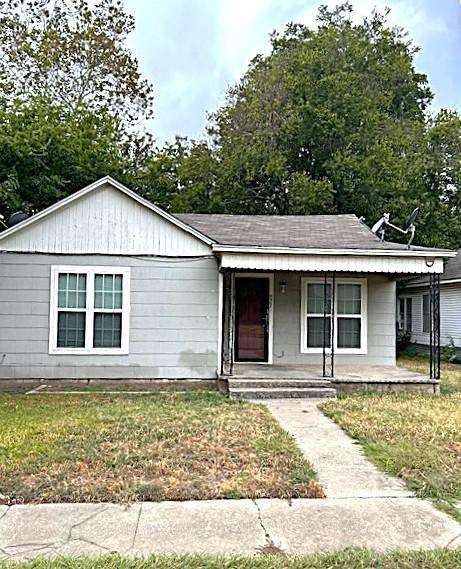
column 219, row 248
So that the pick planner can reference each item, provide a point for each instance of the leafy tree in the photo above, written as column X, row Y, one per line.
column 335, row 120
column 182, row 177
column 47, row 153
column 73, row 54
column 71, row 98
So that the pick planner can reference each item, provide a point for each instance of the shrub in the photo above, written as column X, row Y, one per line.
column 448, row 352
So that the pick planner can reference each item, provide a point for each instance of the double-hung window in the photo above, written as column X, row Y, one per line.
column 90, row 309
column 349, row 310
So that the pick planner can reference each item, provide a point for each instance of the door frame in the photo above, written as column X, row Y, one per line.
column 270, row 335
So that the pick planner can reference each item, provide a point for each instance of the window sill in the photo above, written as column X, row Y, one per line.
column 359, row 351
column 88, row 352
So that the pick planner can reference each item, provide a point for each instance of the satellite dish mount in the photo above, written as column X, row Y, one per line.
column 380, row 226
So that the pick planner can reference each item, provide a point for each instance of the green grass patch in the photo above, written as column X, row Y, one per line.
column 450, row 373
column 164, row 446
column 353, row 559
column 414, row 436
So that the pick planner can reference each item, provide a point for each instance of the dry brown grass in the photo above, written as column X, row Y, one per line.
column 416, row 437
column 73, row 448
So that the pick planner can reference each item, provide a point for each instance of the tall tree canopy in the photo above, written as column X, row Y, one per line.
column 71, row 100
column 73, row 53
column 335, row 119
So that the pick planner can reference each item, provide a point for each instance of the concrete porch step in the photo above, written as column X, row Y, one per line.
column 281, row 392
column 239, row 382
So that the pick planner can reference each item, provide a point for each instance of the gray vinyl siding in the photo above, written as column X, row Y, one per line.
column 380, row 323
column 450, row 314
column 173, row 322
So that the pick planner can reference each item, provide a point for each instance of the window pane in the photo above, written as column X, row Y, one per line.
column 426, row 313
column 108, row 291
column 315, row 298
column 401, row 312
column 349, row 298
column 107, row 330
column 349, row 332
column 72, row 290
column 315, row 332
column 408, row 315
column 71, row 330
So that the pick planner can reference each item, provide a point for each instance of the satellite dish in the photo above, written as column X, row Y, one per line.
column 17, row 218
column 377, row 226
column 380, row 225
column 412, row 218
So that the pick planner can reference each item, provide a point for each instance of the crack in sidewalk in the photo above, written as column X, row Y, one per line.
column 453, row 540
column 136, row 528
column 81, row 522
column 5, row 512
column 270, row 544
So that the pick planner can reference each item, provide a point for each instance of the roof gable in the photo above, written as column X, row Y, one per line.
column 105, row 218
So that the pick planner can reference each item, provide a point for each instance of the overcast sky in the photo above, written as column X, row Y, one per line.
column 193, row 50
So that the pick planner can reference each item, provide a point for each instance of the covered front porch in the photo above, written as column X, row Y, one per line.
column 299, row 333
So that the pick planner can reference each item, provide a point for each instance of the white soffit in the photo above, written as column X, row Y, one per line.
column 340, row 263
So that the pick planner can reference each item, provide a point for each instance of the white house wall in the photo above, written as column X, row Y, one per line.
column 173, row 321
column 380, row 324
column 105, row 221
column 450, row 314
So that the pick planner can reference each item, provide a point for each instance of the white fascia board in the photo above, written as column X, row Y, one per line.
column 355, row 252
column 95, row 185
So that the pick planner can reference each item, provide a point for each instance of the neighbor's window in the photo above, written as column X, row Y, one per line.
column 426, row 314
column 406, row 313
column 89, row 310
column 349, row 315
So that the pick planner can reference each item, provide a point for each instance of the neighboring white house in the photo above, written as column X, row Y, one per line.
column 413, row 306
column 105, row 285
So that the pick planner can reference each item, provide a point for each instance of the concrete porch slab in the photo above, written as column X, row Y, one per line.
column 342, row 373
column 347, row 378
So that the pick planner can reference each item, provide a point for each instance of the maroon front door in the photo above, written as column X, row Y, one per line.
column 251, row 319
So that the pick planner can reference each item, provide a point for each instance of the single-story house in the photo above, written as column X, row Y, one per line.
column 104, row 285
column 413, row 307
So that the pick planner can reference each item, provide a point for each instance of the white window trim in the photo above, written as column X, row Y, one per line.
column 363, row 316
column 403, row 324
column 90, row 271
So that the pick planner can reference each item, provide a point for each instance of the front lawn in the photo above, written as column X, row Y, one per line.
column 353, row 559
column 415, row 437
column 170, row 446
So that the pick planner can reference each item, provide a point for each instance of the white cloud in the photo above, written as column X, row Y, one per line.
column 194, row 50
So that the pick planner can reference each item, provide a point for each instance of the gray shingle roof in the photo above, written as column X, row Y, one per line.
column 297, row 231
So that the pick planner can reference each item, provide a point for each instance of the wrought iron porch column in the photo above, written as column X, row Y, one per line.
column 328, row 347
column 228, row 317
column 434, row 326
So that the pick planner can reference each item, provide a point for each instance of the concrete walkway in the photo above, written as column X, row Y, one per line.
column 338, row 460
column 363, row 508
